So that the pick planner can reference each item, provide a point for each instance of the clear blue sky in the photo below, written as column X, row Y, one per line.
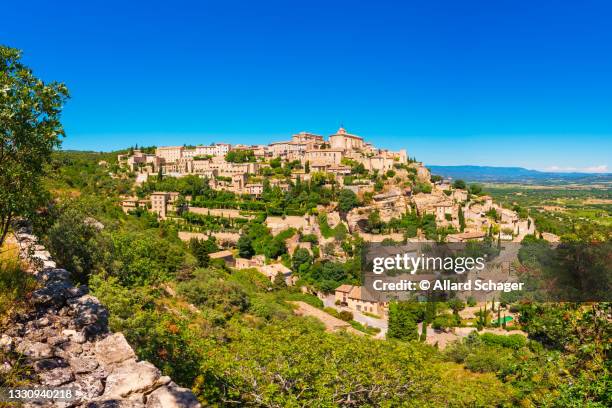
column 525, row 83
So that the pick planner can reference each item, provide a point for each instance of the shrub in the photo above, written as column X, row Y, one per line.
column 345, row 315
column 267, row 308
column 513, row 341
column 488, row 360
column 312, row 300
column 443, row 322
column 226, row 297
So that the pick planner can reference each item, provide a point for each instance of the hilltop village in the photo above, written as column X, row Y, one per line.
column 382, row 196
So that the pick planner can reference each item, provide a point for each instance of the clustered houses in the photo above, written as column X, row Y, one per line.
column 139, row 161
column 311, row 150
column 474, row 216
column 480, row 214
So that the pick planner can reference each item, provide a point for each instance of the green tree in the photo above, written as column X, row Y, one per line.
column 461, row 219
column 402, row 324
column 301, row 256
column 279, row 281
column 200, row 248
column 245, row 247
column 347, row 200
column 76, row 243
column 423, row 337
column 240, row 156
column 30, row 129
column 460, row 184
column 475, row 189
column 374, row 223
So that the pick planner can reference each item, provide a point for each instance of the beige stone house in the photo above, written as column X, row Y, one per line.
column 162, row 202
column 345, row 141
column 131, row 203
column 357, row 298
column 327, row 157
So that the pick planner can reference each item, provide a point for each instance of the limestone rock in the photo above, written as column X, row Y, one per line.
column 49, row 264
column 130, row 378
column 114, row 349
column 114, row 403
column 89, row 312
column 172, row 396
column 5, row 368
column 57, row 340
column 6, row 343
column 83, row 364
column 73, row 291
column 54, row 275
column 56, row 377
column 87, row 388
column 49, row 364
column 67, row 342
column 53, row 294
column 34, row 350
column 75, row 336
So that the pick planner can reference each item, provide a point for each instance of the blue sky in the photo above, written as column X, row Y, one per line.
column 493, row 83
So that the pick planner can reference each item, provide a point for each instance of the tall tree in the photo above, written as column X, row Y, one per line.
column 459, row 184
column 30, row 129
column 245, row 247
column 347, row 200
column 402, row 323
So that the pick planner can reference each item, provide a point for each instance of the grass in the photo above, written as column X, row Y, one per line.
column 312, row 300
column 15, row 286
column 366, row 329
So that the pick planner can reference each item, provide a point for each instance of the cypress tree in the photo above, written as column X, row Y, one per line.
column 461, row 219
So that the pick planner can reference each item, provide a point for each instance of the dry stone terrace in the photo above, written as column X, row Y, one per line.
column 67, row 342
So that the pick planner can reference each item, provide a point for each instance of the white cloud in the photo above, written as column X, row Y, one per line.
column 601, row 168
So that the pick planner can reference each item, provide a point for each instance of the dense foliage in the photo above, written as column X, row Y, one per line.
column 30, row 129
column 231, row 336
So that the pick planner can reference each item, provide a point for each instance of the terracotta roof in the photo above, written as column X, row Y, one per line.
column 344, row 288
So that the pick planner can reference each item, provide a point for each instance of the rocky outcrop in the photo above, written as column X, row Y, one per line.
column 67, row 342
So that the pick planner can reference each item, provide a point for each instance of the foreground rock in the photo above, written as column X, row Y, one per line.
column 67, row 342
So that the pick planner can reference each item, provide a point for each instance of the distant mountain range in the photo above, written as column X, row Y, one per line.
column 516, row 175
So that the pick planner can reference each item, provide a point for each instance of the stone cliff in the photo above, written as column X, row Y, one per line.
column 67, row 342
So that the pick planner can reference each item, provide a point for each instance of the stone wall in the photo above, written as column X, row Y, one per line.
column 67, row 341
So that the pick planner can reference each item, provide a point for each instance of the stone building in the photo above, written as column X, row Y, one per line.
column 162, row 202
column 170, row 154
column 357, row 298
column 345, row 141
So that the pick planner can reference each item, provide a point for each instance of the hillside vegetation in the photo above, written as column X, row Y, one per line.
column 233, row 339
